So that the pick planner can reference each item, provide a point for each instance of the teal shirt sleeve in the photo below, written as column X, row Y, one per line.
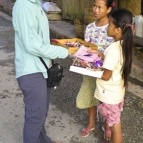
column 27, row 27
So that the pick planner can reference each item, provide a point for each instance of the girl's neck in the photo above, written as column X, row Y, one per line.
column 118, row 37
column 102, row 21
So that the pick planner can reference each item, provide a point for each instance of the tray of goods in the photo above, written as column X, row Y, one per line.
column 87, row 63
column 84, row 68
column 72, row 44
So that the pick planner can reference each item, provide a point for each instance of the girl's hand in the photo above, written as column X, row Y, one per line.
column 96, row 52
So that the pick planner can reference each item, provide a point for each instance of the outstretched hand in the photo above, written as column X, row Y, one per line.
column 96, row 52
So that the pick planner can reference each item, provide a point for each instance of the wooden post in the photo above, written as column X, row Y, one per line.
column 117, row 3
column 142, row 7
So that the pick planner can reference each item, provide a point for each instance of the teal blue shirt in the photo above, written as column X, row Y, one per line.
column 32, row 38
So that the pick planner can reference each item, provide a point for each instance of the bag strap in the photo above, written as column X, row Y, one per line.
column 45, row 63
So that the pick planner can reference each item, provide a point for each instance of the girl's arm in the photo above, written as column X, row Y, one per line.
column 96, row 52
column 106, row 74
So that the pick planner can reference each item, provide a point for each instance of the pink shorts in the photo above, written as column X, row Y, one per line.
column 111, row 112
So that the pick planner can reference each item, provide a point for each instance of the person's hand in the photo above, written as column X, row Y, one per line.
column 96, row 52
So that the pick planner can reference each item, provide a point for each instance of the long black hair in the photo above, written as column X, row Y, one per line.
column 112, row 4
column 123, row 18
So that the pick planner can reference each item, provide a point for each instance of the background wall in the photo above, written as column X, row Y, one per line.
column 72, row 9
column 132, row 5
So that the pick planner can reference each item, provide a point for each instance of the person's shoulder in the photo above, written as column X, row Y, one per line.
column 114, row 47
column 115, row 44
column 22, row 5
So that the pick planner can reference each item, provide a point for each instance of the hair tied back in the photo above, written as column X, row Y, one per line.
column 126, row 25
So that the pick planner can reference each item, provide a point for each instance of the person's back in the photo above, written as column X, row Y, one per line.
column 32, row 38
column 31, row 42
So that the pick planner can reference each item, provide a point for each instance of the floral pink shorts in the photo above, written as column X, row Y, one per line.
column 110, row 112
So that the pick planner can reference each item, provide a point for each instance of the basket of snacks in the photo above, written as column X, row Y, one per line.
column 73, row 44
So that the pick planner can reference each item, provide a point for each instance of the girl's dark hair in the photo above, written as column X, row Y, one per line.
column 123, row 18
column 112, row 4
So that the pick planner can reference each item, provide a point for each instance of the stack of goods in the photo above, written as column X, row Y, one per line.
column 52, row 10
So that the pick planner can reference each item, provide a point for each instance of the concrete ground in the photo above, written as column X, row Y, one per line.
column 64, row 120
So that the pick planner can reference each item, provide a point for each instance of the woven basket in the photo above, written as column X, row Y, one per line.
column 79, row 30
column 88, row 16
column 54, row 17
column 132, row 5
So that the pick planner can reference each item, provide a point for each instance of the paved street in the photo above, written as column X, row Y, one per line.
column 64, row 120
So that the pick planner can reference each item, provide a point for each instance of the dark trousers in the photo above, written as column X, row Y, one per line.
column 36, row 99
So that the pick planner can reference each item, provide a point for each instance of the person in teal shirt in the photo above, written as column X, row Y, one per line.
column 32, row 40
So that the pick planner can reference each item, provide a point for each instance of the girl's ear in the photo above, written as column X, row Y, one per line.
column 118, row 30
column 109, row 10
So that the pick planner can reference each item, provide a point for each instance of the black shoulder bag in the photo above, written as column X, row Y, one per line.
column 55, row 74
